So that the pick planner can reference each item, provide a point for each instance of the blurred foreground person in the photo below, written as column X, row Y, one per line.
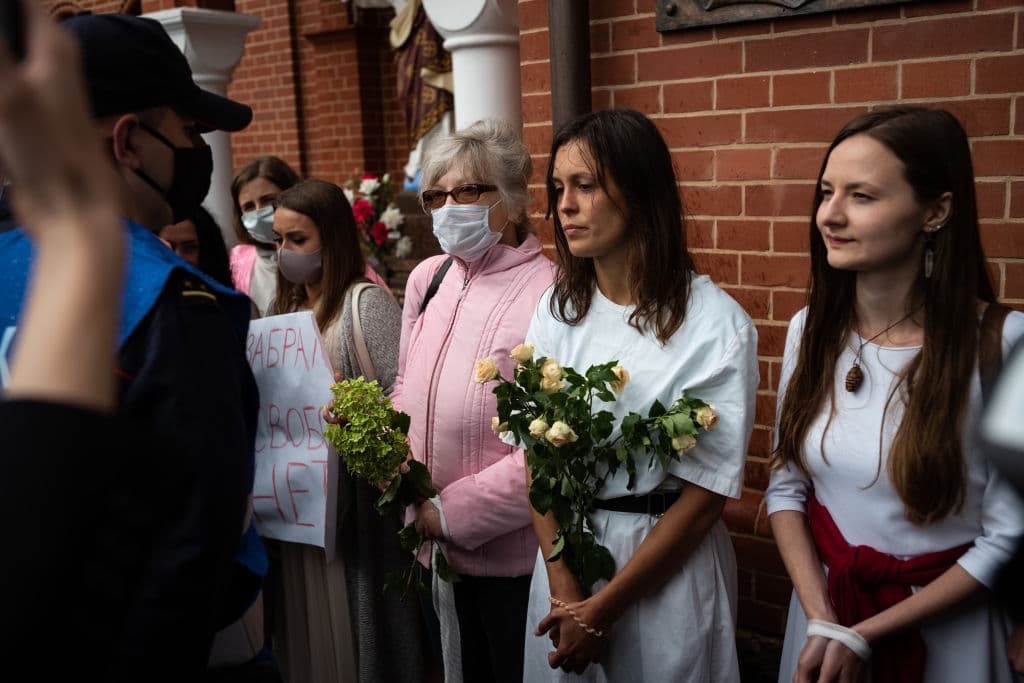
column 128, row 530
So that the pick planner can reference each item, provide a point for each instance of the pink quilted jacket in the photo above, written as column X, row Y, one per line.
column 481, row 311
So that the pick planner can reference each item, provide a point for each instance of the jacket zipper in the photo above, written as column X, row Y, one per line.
column 432, row 388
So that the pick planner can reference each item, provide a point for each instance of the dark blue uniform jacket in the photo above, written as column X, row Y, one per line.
column 132, row 552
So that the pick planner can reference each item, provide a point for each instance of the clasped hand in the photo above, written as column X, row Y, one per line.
column 827, row 661
column 428, row 521
column 574, row 649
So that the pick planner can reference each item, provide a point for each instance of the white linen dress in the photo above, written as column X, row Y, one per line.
column 685, row 630
column 968, row 644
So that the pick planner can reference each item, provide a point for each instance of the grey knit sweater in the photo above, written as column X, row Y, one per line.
column 390, row 643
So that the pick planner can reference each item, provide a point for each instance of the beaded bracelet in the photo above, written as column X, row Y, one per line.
column 846, row 636
column 596, row 632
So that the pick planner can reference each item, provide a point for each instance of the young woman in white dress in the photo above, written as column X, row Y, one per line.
column 627, row 291
column 890, row 523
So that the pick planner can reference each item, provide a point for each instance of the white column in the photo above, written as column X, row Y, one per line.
column 483, row 37
column 212, row 42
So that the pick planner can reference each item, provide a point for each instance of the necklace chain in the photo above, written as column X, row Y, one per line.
column 855, row 376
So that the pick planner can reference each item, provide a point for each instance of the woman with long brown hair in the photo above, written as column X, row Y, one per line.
column 329, row 605
column 628, row 291
column 873, row 476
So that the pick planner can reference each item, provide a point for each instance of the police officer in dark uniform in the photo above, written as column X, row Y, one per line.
column 165, row 568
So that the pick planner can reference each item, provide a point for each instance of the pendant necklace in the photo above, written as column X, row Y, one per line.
column 855, row 376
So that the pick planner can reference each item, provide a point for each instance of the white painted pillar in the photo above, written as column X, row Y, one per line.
column 483, row 37
column 212, row 42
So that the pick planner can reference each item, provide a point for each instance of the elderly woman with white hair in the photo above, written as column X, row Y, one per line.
column 475, row 302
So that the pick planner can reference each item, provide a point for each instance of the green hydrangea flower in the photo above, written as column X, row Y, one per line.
column 372, row 441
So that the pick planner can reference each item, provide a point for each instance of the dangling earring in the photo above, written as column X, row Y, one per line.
column 929, row 250
column 929, row 255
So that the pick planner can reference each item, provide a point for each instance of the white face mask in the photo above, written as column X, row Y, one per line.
column 260, row 224
column 464, row 230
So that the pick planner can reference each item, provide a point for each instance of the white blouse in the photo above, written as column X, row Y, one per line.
column 849, row 467
column 713, row 357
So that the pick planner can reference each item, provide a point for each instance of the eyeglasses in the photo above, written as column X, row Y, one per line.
column 463, row 194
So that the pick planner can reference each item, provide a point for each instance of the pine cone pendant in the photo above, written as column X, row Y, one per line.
column 854, row 378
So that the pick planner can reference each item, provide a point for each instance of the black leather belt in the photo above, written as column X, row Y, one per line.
column 652, row 504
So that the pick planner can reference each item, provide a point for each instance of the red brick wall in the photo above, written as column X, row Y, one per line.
column 322, row 89
column 748, row 111
column 265, row 79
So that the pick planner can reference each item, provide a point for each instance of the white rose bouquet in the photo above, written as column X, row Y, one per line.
column 570, row 450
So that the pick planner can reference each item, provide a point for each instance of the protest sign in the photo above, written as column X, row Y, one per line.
column 295, row 490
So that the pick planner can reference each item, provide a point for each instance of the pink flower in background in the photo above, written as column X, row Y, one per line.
column 379, row 232
column 363, row 211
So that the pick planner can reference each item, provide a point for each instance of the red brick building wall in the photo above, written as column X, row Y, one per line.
column 748, row 111
column 321, row 80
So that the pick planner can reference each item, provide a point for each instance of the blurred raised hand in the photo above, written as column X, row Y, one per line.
column 65, row 193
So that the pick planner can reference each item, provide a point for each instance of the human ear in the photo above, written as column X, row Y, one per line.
column 125, row 151
column 938, row 212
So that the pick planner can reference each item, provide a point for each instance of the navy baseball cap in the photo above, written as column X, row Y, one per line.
column 130, row 64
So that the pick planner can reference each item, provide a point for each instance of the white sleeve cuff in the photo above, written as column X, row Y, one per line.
column 436, row 500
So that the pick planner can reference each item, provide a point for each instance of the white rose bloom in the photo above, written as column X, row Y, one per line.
column 623, row 379
column 368, row 186
column 560, row 434
column 403, row 247
column 550, row 386
column 485, row 370
column 707, row 417
column 522, row 353
column 392, row 218
column 683, row 442
column 349, row 195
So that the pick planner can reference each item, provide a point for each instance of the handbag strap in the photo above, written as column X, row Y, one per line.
column 990, row 346
column 435, row 283
column 362, row 352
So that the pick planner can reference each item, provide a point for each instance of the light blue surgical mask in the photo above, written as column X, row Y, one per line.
column 260, row 224
column 464, row 230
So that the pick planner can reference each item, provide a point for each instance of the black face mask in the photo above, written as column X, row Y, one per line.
column 190, row 182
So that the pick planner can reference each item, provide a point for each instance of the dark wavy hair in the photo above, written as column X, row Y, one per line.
column 926, row 464
column 269, row 167
column 626, row 147
column 325, row 204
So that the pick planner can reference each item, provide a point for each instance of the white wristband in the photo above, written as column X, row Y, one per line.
column 846, row 636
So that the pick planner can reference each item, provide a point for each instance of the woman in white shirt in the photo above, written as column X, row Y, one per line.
column 874, row 478
column 627, row 291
